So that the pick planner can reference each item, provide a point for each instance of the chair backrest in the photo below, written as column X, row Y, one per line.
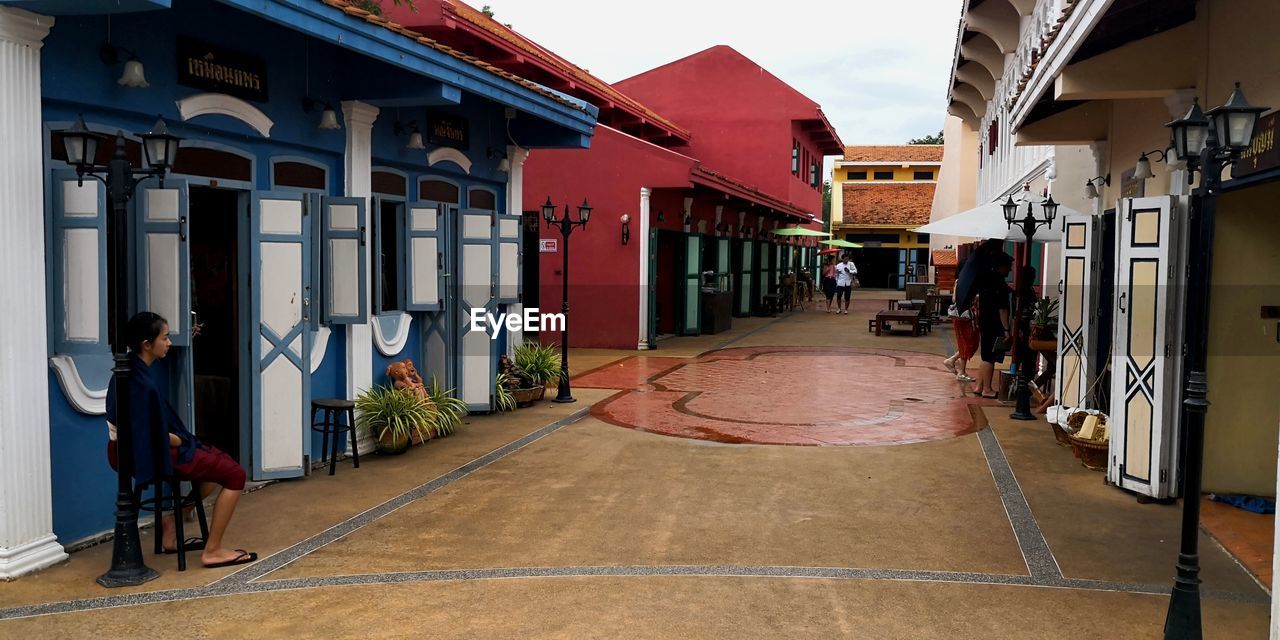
column 918, row 290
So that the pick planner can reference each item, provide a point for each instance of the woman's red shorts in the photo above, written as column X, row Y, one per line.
column 966, row 337
column 208, row 464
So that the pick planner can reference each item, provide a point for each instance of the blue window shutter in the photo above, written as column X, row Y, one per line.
column 163, row 253
column 344, row 258
column 423, row 277
column 78, row 248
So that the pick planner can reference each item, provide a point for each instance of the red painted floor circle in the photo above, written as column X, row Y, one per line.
column 788, row 396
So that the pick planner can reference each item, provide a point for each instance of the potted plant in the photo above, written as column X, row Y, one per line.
column 393, row 416
column 502, row 385
column 541, row 362
column 1044, row 325
column 449, row 409
column 523, row 388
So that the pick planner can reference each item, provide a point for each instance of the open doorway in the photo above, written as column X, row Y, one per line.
column 668, row 298
column 215, row 300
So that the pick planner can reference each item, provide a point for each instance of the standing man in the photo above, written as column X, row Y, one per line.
column 846, row 272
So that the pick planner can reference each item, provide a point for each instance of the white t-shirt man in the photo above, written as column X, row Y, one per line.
column 845, row 271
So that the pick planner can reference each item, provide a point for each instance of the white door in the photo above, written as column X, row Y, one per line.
column 164, row 255
column 744, row 287
column 1146, row 362
column 476, row 284
column 1076, row 317
column 280, row 345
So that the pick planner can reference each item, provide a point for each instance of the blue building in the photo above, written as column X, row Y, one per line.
column 341, row 201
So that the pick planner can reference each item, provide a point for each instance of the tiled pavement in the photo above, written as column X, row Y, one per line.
column 551, row 523
column 790, row 396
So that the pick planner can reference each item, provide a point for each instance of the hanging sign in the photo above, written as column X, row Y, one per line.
column 547, row 246
column 1263, row 154
column 447, row 131
column 212, row 68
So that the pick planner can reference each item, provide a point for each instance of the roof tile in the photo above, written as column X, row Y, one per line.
column 894, row 153
column 903, row 204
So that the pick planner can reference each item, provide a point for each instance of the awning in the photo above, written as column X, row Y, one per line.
column 987, row 221
column 797, row 231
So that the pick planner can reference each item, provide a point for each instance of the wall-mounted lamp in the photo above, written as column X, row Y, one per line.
column 415, row 136
column 1091, row 186
column 328, row 117
column 688, row 219
column 1142, row 170
column 626, row 227
column 661, row 218
column 134, row 75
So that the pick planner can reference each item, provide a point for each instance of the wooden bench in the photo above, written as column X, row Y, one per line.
column 898, row 315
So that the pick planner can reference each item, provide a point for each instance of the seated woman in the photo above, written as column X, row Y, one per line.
column 188, row 458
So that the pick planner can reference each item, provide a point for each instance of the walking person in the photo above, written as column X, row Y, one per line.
column 187, row 457
column 846, row 272
column 993, row 322
column 966, row 333
column 829, row 281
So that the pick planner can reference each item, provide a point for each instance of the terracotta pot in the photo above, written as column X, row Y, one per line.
column 390, row 444
column 526, row 397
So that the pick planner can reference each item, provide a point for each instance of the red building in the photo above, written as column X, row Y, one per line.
column 701, row 157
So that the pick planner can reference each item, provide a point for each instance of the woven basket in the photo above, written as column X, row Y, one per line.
column 526, row 397
column 1093, row 455
column 1060, row 434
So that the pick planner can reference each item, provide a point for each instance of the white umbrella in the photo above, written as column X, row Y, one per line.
column 987, row 221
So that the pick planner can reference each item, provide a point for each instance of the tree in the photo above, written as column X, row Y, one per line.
column 826, row 202
column 375, row 6
column 927, row 139
column 487, row 11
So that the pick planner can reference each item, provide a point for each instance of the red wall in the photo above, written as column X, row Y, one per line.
column 741, row 117
column 604, row 274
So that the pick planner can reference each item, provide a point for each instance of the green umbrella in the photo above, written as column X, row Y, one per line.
column 797, row 231
column 842, row 243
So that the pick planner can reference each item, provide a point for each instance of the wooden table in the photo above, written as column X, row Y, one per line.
column 899, row 315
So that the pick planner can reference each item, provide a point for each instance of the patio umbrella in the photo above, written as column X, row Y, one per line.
column 829, row 251
column 797, row 231
column 842, row 243
column 987, row 221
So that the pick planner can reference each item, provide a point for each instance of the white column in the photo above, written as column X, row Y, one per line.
column 358, row 118
column 643, row 343
column 515, row 204
column 27, row 542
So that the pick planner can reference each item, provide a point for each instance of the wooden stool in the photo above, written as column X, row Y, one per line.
column 172, row 500
column 329, row 424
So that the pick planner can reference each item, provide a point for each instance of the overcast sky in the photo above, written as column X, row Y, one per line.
column 879, row 68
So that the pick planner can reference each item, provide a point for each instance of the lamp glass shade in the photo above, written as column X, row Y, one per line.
column 626, row 217
column 1010, row 210
column 549, row 211
column 134, row 75
column 1190, row 133
column 81, row 144
column 160, row 146
column 1142, row 170
column 1050, row 210
column 415, row 141
column 329, row 120
column 584, row 211
column 1090, row 191
column 1235, row 120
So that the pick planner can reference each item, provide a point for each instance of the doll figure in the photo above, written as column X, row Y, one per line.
column 402, row 379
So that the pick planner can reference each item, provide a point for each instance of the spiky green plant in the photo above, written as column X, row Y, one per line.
column 451, row 409
column 395, row 414
column 539, row 361
column 503, row 398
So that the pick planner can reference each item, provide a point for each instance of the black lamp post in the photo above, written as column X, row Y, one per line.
column 121, row 178
column 566, row 226
column 1208, row 143
column 1025, row 358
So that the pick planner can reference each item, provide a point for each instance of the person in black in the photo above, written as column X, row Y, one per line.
column 993, row 321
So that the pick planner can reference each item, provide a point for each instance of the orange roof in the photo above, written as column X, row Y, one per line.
column 479, row 19
column 894, row 153
column 944, row 258
column 904, row 204
column 350, row 9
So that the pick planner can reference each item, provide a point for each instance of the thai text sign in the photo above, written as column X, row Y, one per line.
column 1263, row 154
column 205, row 66
column 447, row 131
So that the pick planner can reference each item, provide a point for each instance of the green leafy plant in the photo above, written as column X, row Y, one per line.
column 503, row 397
column 1044, row 318
column 449, row 408
column 393, row 416
column 541, row 362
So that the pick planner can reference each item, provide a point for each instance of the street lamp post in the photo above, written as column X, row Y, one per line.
column 120, row 179
column 1208, row 143
column 1023, row 354
column 566, row 226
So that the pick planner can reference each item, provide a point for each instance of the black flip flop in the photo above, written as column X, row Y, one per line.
column 245, row 557
column 191, row 544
